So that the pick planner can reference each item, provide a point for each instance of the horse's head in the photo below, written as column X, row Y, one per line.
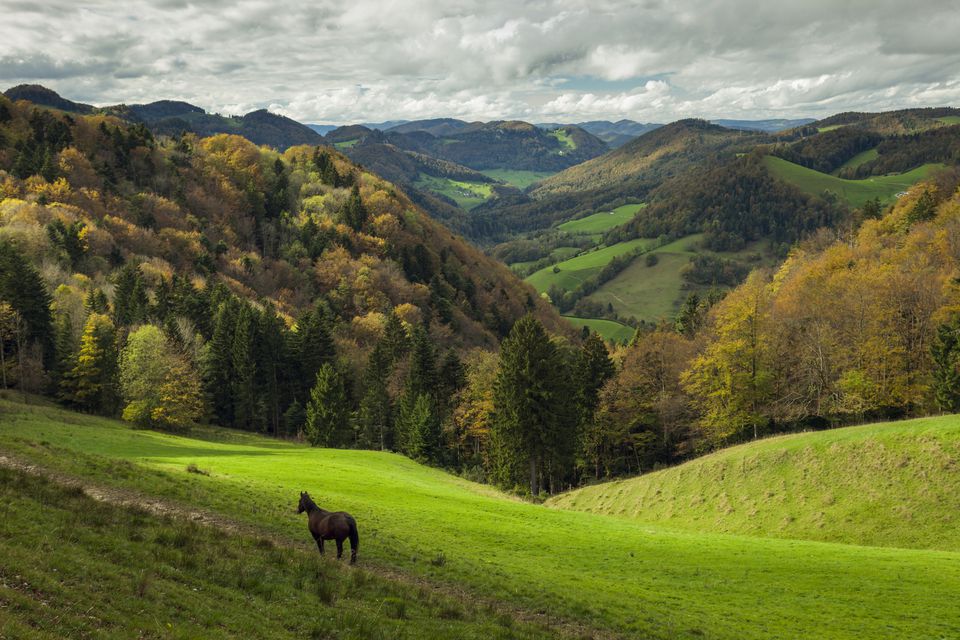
column 303, row 502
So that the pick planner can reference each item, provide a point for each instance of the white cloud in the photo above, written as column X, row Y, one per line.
column 331, row 61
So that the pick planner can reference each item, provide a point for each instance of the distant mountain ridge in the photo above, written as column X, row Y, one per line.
column 172, row 117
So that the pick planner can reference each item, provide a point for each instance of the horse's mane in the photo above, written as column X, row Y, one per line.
column 311, row 505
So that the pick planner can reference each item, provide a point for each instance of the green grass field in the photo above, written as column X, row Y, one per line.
column 888, row 484
column 657, row 292
column 74, row 567
column 645, row 581
column 517, row 177
column 602, row 221
column 576, row 270
column 466, row 194
column 609, row 330
column 861, row 158
column 559, row 254
column 854, row 192
column 564, row 138
column 950, row 119
column 829, row 128
column 346, row 144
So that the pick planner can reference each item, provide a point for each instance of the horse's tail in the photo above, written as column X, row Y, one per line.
column 354, row 540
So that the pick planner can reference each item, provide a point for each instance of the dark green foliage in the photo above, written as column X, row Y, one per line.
column 355, row 214
column 924, row 209
column 374, row 417
column 945, row 352
column 22, row 287
column 711, row 270
column 68, row 239
column 419, row 424
column 130, row 303
column 247, row 410
column 594, row 368
column 35, row 155
column 533, row 429
column 96, row 301
column 313, row 345
column 325, row 167
column 827, row 151
column 328, row 411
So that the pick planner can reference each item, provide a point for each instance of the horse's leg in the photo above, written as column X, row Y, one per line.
column 339, row 548
column 319, row 540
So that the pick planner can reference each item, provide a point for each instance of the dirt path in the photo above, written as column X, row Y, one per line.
column 161, row 507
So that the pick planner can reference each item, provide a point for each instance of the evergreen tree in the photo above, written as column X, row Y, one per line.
column 945, row 352
column 130, row 303
column 396, row 343
column 313, row 344
column 294, row 418
column 355, row 213
column 422, row 378
column 328, row 411
column 594, row 369
column 421, row 428
column 532, row 408
column 92, row 383
column 243, row 368
column 218, row 374
column 96, row 301
column 66, row 348
column 23, row 289
column 374, row 417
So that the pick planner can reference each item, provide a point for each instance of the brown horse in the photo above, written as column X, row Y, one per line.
column 326, row 525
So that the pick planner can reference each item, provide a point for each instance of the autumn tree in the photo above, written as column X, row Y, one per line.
column 92, row 383
column 159, row 384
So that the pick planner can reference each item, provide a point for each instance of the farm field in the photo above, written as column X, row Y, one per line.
column 576, row 270
column 602, row 221
column 517, row 177
column 885, row 484
column 465, row 194
column 861, row 158
column 608, row 329
column 950, row 119
column 608, row 572
column 560, row 253
column 854, row 192
column 564, row 138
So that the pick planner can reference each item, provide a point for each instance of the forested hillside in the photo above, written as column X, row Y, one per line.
column 171, row 117
column 180, row 279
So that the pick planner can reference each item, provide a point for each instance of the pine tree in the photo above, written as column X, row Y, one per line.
column 96, row 301
column 374, row 417
column 355, row 213
column 24, row 290
column 328, row 411
column 313, row 344
column 92, row 383
column 130, row 303
column 594, row 369
column 243, row 367
column 532, row 404
column 945, row 352
column 422, row 379
column 218, row 373
column 421, row 428
column 395, row 340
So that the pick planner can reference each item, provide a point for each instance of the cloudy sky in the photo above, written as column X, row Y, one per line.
column 335, row 61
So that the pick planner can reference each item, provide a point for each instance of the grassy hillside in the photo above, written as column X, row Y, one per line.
column 516, row 177
column 647, row 581
column 602, row 221
column 466, row 194
column 891, row 485
column 76, row 567
column 572, row 272
column 854, row 192
column 608, row 329
column 861, row 158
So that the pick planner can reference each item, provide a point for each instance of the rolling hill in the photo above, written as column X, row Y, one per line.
column 170, row 117
column 607, row 574
column 883, row 485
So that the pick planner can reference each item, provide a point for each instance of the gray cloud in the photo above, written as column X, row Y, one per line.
column 648, row 60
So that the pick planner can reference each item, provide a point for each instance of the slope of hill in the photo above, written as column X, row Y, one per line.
column 270, row 227
column 854, row 192
column 438, row 127
column 769, row 126
column 443, row 530
column 889, row 484
column 170, row 117
column 122, row 571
